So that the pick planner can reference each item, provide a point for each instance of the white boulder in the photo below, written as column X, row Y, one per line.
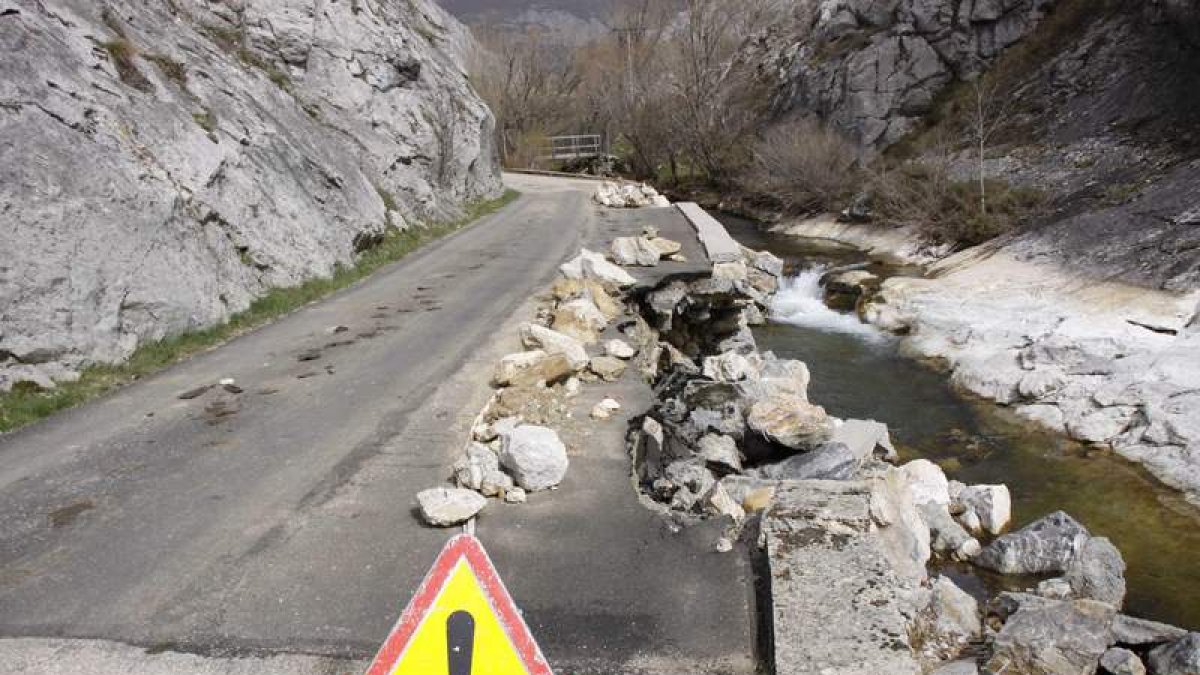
column 447, row 507
column 535, row 457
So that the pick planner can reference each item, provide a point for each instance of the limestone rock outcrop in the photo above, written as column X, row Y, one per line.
column 873, row 68
column 164, row 164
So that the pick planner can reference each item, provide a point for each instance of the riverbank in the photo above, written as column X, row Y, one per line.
column 1103, row 362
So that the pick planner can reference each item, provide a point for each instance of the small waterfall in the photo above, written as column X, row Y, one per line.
column 801, row 302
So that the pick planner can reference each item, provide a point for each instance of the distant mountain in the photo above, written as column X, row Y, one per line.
column 470, row 10
column 571, row 21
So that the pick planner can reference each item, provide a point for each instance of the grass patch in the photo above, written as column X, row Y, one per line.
column 207, row 120
column 170, row 68
column 26, row 404
column 123, row 53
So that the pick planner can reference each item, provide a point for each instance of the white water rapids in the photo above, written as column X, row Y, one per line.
column 800, row 301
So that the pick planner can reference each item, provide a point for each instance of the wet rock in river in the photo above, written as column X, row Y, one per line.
column 947, row 536
column 1045, row 546
column 991, row 506
column 790, row 421
column 927, row 482
column 1097, row 572
column 1117, row 661
column 950, row 622
column 1181, row 657
column 1053, row 638
column 829, row 461
column 1134, row 632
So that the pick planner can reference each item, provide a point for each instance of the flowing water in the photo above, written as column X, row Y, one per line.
column 857, row 372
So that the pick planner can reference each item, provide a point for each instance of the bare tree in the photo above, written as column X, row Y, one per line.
column 988, row 114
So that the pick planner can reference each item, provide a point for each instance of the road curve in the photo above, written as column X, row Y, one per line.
column 279, row 519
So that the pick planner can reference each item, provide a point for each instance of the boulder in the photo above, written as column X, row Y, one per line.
column 1181, row 657
column 927, row 482
column 1134, row 632
column 535, row 457
column 790, row 421
column 634, row 251
column 478, row 464
column 530, row 368
column 720, row 452
column 829, row 461
column 1057, row 588
column 592, row 265
column 1117, row 661
column 619, row 349
column 866, row 438
column 1053, row 638
column 947, row 536
column 951, row 621
column 691, row 481
column 580, row 319
column 720, row 503
column 1098, row 572
column 991, row 504
column 604, row 409
column 730, row 367
column 447, row 507
column 534, row 336
column 608, row 368
column 665, row 247
column 1042, row 547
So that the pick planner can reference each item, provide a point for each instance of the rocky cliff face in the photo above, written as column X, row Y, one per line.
column 874, row 67
column 165, row 162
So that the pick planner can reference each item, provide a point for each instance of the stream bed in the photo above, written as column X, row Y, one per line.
column 857, row 372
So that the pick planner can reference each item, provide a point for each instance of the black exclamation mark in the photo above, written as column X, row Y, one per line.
column 460, row 642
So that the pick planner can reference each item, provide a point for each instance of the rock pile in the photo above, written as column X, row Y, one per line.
column 628, row 195
column 646, row 250
column 514, row 450
column 733, row 435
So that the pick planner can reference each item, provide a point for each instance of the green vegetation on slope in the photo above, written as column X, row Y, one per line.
column 27, row 403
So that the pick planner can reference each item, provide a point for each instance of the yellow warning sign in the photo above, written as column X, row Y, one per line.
column 462, row 621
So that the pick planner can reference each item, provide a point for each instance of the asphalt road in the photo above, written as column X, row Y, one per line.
column 280, row 519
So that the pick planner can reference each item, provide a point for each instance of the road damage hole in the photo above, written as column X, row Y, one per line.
column 195, row 393
column 63, row 517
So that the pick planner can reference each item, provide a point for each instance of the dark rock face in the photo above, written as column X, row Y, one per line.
column 1062, row 638
column 1181, row 657
column 162, row 164
column 1045, row 546
column 874, row 68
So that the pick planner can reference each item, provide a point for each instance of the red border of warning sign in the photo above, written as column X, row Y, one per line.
column 459, row 547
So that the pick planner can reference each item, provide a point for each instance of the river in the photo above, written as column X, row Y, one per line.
column 857, row 372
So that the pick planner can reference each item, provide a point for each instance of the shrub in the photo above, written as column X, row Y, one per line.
column 803, row 165
column 923, row 194
column 123, row 53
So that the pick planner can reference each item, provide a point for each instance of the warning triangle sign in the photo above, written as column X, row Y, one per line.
column 462, row 621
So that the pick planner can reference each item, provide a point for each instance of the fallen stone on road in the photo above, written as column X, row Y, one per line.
column 534, row 456
column 634, row 252
column 447, row 507
column 619, row 349
column 604, row 409
column 580, row 319
column 531, row 368
column 591, row 265
column 534, row 336
column 607, row 368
